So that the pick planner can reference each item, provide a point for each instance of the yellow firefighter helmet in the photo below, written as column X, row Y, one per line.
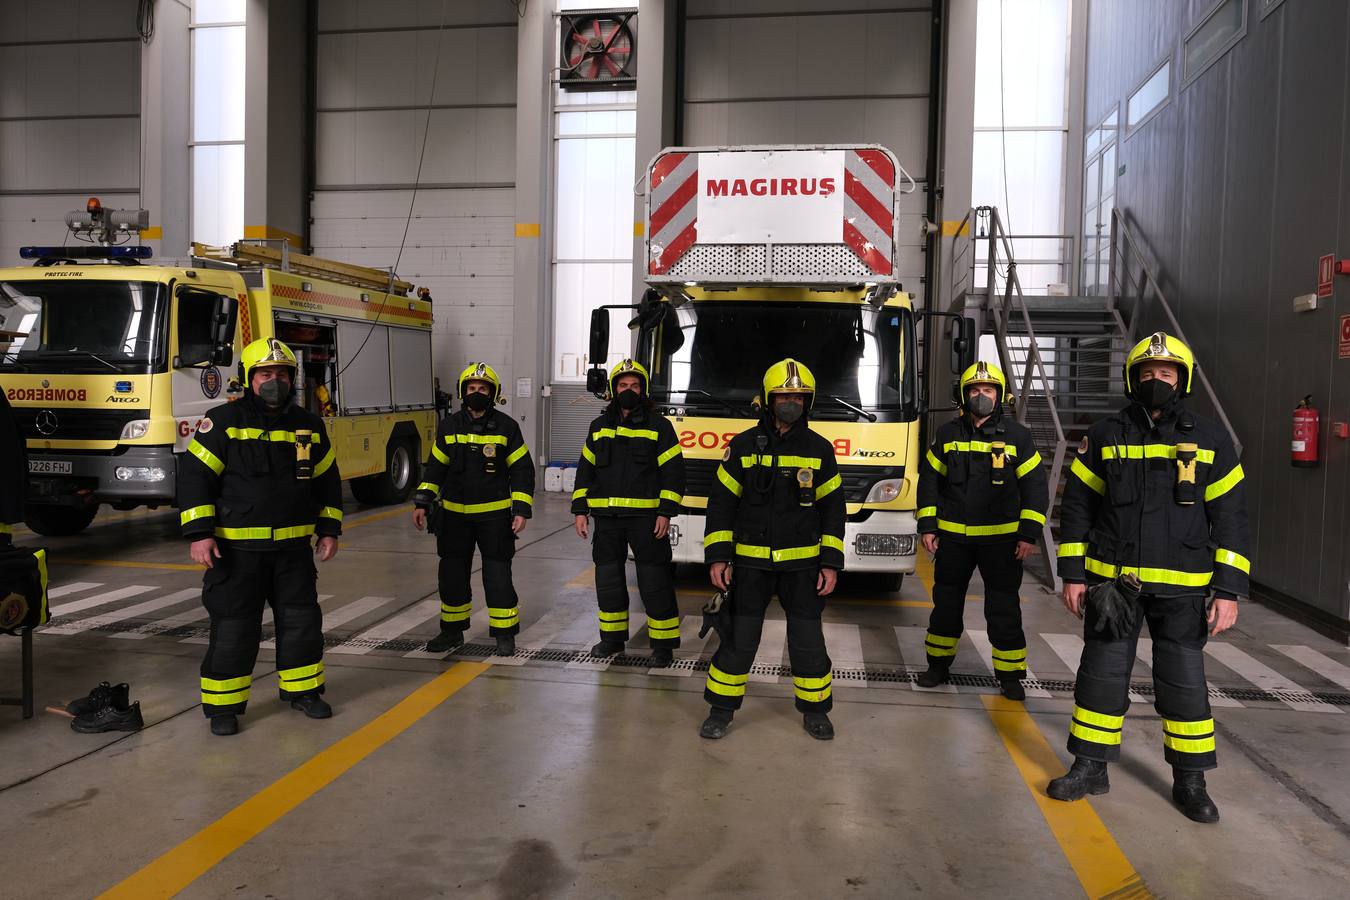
column 789, row 377
column 478, row 371
column 1160, row 347
column 628, row 367
column 983, row 373
column 266, row 352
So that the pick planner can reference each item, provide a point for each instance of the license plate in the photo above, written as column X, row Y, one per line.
column 50, row 466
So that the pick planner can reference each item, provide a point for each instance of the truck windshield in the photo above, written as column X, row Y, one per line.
column 709, row 351
column 76, row 325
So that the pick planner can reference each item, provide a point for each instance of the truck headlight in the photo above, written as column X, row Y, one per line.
column 136, row 428
column 885, row 491
column 140, row 473
column 884, row 545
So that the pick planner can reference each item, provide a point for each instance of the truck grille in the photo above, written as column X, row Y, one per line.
column 76, row 424
column 699, row 475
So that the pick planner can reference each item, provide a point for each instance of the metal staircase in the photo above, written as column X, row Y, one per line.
column 1062, row 355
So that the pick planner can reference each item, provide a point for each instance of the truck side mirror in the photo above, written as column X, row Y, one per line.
column 599, row 338
column 597, row 381
column 963, row 345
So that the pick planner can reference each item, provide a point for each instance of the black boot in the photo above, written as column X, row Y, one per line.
column 224, row 725
column 937, row 674
column 715, row 726
column 607, row 648
column 1085, row 776
column 1012, row 688
column 506, row 645
column 114, row 695
column 661, row 658
column 109, row 718
column 1188, row 790
column 313, row 706
column 445, row 641
column 818, row 726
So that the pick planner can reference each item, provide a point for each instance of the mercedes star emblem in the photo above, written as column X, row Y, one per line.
column 47, row 422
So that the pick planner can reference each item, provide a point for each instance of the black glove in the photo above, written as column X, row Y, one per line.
column 1116, row 605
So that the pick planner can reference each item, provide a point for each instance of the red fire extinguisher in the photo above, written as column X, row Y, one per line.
column 1307, row 434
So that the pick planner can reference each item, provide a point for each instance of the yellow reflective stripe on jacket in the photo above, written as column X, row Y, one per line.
column 937, row 464
column 428, row 486
column 1074, row 548
column 490, row 506
column 579, row 493
column 330, row 512
column 1151, row 451
column 977, row 447
column 755, row 551
column 787, row 462
column 522, row 497
column 1225, row 484
column 717, row 537
column 263, row 434
column 263, row 533
column 587, row 455
column 209, row 459
column 1088, row 477
column 1032, row 515
column 1156, row 576
column 1030, row 464
column 830, row 542
column 440, row 455
column 623, row 502
column 668, row 455
column 467, row 437
column 625, row 431
column 1236, row 560
column 978, row 530
column 828, row 487
column 725, row 477
column 514, row 456
column 6, row 528
column 325, row 464
column 186, row 516
column 671, row 496
column 926, row 511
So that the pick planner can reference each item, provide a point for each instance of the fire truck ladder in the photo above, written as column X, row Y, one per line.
column 255, row 254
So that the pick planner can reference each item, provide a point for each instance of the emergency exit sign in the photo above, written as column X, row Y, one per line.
column 1345, row 337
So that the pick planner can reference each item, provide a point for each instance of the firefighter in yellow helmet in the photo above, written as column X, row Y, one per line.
column 982, row 500
column 478, row 490
column 258, row 481
column 775, row 516
column 1154, row 519
column 631, row 479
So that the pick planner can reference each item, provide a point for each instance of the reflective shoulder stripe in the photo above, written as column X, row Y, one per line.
column 331, row 512
column 926, row 511
column 1225, row 484
column 1088, row 477
column 830, row 542
column 828, row 487
column 1032, row 462
column 325, row 464
column 717, row 537
column 188, row 515
column 730, row 483
column 668, row 455
column 522, row 497
column 1074, row 548
column 1236, row 560
column 514, row 456
column 587, row 455
column 601, row 433
column 440, row 454
column 209, row 459
column 938, row 465
column 1032, row 515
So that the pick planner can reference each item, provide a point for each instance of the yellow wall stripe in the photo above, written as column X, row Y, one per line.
column 527, row 229
column 194, row 857
column 265, row 232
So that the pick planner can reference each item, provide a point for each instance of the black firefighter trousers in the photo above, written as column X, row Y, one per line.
column 234, row 592
column 1001, row 572
column 652, row 559
column 1179, row 630
column 455, row 539
column 751, row 591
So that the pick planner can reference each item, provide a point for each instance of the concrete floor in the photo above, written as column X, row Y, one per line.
column 550, row 776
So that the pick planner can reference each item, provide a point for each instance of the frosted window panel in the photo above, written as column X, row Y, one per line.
column 1035, row 174
column 595, row 199
column 1035, row 62
column 567, row 5
column 207, row 11
column 1092, row 183
column 1150, row 95
column 218, row 194
column 218, row 84
column 1213, row 37
column 595, row 98
column 1108, row 171
column 578, row 289
column 611, row 121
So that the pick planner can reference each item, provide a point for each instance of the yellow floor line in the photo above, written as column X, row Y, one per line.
column 184, row 864
column 129, row 564
column 379, row 516
column 585, row 579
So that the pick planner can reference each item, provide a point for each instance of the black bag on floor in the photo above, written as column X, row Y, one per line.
column 23, row 588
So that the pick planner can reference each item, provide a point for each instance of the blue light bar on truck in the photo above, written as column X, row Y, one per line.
column 86, row 252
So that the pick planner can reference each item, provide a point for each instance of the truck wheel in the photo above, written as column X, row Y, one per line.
column 59, row 521
column 396, row 483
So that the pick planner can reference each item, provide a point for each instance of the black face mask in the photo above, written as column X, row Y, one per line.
column 788, row 411
column 1154, row 393
column 628, row 399
column 980, row 405
column 274, row 393
column 478, row 402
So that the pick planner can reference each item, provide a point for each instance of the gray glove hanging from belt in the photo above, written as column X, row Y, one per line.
column 717, row 617
column 1116, row 604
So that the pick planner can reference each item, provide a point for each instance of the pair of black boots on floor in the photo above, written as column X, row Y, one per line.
column 660, row 658
column 449, row 640
column 936, row 675
column 1088, row 776
column 312, row 705
column 107, row 707
column 715, row 727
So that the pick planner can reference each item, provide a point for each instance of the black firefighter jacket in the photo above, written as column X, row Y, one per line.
column 13, row 471
column 1122, row 509
column 778, row 502
column 630, row 467
column 970, row 491
column 479, row 468
column 238, row 481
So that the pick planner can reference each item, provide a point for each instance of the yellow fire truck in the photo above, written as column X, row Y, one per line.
column 111, row 363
